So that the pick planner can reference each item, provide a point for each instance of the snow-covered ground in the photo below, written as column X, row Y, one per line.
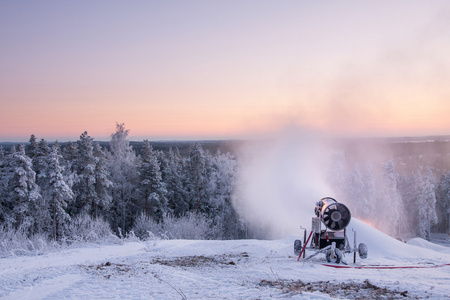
column 239, row 269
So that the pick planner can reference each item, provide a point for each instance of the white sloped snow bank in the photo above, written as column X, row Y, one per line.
column 428, row 245
column 383, row 247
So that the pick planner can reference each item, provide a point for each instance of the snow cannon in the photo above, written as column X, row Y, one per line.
column 335, row 216
column 332, row 240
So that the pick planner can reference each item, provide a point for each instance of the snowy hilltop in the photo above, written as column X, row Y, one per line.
column 234, row 269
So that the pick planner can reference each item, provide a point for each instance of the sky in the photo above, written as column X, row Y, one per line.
column 223, row 69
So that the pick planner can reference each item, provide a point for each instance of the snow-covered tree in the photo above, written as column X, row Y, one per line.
column 30, row 149
column 58, row 192
column 84, row 185
column 40, row 155
column 23, row 190
column 443, row 203
column 123, row 166
column 70, row 163
column 173, row 177
column 222, row 185
column 103, row 184
column 427, row 204
column 152, row 188
column 196, row 170
column 70, row 155
column 4, row 176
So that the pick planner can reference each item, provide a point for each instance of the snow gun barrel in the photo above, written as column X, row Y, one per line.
column 335, row 216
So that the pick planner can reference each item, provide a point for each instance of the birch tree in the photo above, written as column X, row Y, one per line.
column 125, row 177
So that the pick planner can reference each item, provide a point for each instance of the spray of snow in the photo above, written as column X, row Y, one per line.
column 282, row 177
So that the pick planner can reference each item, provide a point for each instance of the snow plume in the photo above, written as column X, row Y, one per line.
column 281, row 179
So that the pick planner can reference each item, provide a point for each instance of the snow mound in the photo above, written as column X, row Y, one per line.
column 428, row 245
column 384, row 248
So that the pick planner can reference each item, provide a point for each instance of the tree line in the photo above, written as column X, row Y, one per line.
column 45, row 189
column 56, row 190
column 411, row 202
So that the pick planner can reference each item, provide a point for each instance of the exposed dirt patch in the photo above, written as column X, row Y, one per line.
column 343, row 290
column 202, row 261
column 109, row 269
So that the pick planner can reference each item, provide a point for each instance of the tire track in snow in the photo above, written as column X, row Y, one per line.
column 45, row 288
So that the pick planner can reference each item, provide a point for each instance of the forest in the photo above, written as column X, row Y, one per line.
column 86, row 190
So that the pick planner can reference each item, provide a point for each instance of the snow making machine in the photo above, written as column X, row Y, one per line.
column 332, row 239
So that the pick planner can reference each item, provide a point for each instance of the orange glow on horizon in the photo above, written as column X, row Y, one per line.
column 223, row 71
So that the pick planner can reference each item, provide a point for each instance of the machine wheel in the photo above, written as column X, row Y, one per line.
column 338, row 256
column 362, row 250
column 297, row 247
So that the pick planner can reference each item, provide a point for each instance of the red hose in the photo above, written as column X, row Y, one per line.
column 384, row 267
column 304, row 246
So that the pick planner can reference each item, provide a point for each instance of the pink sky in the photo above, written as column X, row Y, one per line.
column 214, row 70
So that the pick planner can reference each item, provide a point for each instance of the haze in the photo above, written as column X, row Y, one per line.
column 219, row 70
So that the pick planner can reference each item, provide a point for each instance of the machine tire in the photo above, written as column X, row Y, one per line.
column 362, row 250
column 297, row 247
column 338, row 257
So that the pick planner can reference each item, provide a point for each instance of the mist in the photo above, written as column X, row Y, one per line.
column 281, row 179
column 388, row 183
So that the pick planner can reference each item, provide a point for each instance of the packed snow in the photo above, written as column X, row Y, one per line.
column 235, row 269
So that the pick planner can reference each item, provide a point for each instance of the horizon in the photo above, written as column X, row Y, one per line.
column 213, row 71
column 410, row 138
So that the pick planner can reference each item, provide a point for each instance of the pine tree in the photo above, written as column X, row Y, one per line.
column 58, row 149
column 84, row 185
column 196, row 172
column 69, row 162
column 153, row 189
column 40, row 155
column 70, row 155
column 31, row 148
column 4, row 177
column 173, row 177
column 58, row 192
column 23, row 190
column 103, row 184
column 443, row 203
